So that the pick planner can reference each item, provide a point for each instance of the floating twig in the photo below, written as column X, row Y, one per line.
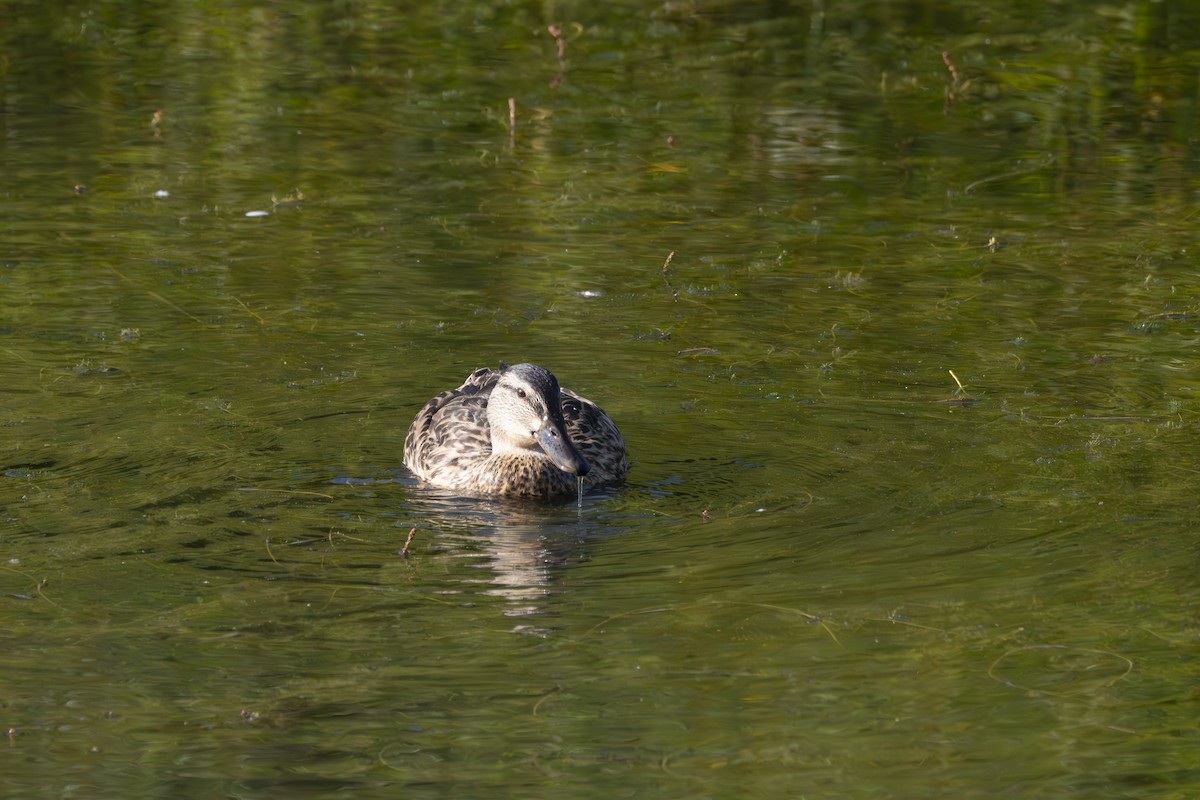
column 949, row 62
column 952, row 90
column 561, row 41
column 404, row 550
column 666, row 269
column 960, row 398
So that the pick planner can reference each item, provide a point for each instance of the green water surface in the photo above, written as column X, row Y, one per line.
column 895, row 305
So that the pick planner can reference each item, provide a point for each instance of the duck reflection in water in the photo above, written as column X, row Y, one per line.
column 517, row 551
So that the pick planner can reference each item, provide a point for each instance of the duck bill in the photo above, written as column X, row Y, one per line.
column 552, row 437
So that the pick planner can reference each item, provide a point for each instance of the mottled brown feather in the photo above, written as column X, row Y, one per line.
column 449, row 445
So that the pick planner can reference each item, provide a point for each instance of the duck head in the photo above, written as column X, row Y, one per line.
column 525, row 415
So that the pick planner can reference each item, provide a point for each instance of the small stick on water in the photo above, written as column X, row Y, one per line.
column 404, row 550
column 961, row 398
column 951, row 90
column 666, row 269
column 949, row 62
column 560, row 40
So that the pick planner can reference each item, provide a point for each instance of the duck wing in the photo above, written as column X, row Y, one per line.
column 596, row 436
column 451, row 426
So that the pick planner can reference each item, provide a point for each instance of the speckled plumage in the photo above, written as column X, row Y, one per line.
column 513, row 431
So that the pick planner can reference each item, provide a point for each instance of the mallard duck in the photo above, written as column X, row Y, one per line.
column 512, row 431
